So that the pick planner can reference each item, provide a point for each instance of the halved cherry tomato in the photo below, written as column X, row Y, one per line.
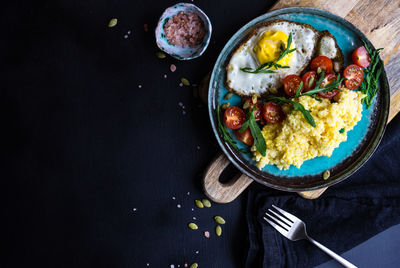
column 322, row 62
column 361, row 58
column 259, row 107
column 273, row 112
column 234, row 117
column 327, row 80
column 245, row 137
column 309, row 79
column 354, row 76
column 291, row 83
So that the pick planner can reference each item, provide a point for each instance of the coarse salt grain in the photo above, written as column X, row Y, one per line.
column 194, row 218
column 188, row 193
column 197, row 252
column 207, row 234
column 134, row 209
column 165, row 76
column 172, row 266
column 198, row 147
column 147, row 264
column 129, row 32
column 180, row 104
column 126, row 36
column 139, row 86
column 192, row 209
column 173, row 197
column 180, row 84
column 172, row 68
column 186, row 265
column 178, row 206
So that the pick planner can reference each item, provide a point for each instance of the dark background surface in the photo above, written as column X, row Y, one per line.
column 83, row 145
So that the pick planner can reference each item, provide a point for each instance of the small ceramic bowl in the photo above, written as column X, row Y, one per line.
column 178, row 52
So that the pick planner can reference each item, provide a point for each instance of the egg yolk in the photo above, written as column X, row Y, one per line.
column 268, row 47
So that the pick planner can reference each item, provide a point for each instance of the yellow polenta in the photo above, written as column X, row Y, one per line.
column 294, row 140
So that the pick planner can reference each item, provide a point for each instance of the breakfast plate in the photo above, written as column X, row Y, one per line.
column 351, row 154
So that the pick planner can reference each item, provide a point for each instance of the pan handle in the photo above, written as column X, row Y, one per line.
column 223, row 192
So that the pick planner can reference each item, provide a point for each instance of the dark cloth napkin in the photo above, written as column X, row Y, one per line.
column 345, row 215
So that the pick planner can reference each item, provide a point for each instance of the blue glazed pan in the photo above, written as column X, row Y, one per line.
column 350, row 155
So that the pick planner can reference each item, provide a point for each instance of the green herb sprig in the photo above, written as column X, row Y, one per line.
column 266, row 67
column 372, row 74
column 296, row 106
column 334, row 85
column 255, row 130
column 225, row 133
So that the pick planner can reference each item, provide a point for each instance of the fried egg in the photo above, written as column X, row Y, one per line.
column 265, row 44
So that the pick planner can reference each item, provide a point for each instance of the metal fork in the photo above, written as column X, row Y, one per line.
column 294, row 229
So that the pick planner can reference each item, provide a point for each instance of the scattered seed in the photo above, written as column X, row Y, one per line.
column 228, row 96
column 145, row 27
column 326, row 174
column 225, row 106
column 193, row 226
column 160, row 55
column 219, row 219
column 206, row 203
column 218, row 230
column 194, row 265
column 273, row 90
column 207, row 234
column 254, row 98
column 199, row 204
column 172, row 68
column 185, row 81
column 246, row 105
column 112, row 22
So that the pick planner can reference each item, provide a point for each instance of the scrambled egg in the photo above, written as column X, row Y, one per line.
column 294, row 140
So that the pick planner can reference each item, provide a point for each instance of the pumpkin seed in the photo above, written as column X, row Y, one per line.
column 199, row 204
column 112, row 22
column 193, row 226
column 225, row 106
column 254, row 98
column 206, row 203
column 273, row 90
column 246, row 105
column 218, row 230
column 185, row 81
column 228, row 96
column 160, row 55
column 219, row 219
column 194, row 265
column 326, row 174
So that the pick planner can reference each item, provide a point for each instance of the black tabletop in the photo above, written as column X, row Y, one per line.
column 103, row 150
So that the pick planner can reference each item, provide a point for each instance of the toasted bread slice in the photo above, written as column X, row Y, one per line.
column 327, row 46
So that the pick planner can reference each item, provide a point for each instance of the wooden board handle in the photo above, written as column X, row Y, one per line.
column 223, row 192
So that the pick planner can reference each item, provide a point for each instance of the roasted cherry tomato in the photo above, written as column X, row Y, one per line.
column 354, row 76
column 272, row 112
column 322, row 62
column 329, row 78
column 245, row 137
column 291, row 83
column 259, row 107
column 361, row 57
column 234, row 117
column 309, row 80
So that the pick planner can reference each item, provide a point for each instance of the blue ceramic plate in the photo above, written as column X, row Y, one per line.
column 350, row 155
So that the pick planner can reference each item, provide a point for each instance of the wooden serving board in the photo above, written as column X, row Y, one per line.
column 379, row 20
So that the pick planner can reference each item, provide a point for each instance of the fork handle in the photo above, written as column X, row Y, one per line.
column 341, row 260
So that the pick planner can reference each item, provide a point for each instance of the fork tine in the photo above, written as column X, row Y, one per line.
column 287, row 214
column 283, row 219
column 277, row 227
